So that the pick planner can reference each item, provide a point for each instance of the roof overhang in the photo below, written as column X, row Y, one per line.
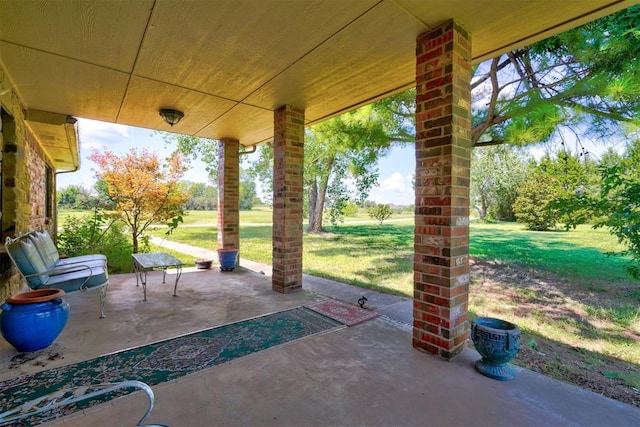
column 228, row 64
column 58, row 136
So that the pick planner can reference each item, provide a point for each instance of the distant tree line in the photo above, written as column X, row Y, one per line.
column 201, row 196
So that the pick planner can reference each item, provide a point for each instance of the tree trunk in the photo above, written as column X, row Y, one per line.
column 134, row 235
column 484, row 208
column 313, row 196
column 317, row 196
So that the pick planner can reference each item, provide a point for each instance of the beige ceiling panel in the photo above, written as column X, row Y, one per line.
column 105, row 33
column 146, row 97
column 60, row 85
column 356, row 65
column 203, row 57
column 230, row 48
column 499, row 25
column 245, row 123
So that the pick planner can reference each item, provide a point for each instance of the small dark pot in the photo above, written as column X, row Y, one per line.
column 227, row 258
column 498, row 342
column 203, row 264
column 32, row 320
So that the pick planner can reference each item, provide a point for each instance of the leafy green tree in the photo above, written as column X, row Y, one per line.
column 496, row 174
column 206, row 150
column 247, row 188
column 380, row 213
column 347, row 148
column 609, row 158
column 617, row 205
column 192, row 148
column 77, row 197
column 351, row 209
column 586, row 80
column 102, row 199
column 574, row 174
column 201, row 196
column 556, row 179
column 68, row 196
column 261, row 171
column 533, row 206
column 344, row 150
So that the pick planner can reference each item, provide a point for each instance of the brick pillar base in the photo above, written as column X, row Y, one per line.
column 228, row 194
column 288, row 152
column 443, row 153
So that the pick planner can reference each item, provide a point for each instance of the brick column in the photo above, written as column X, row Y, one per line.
column 443, row 153
column 228, row 194
column 288, row 153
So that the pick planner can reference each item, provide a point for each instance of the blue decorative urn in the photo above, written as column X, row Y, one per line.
column 498, row 342
column 32, row 320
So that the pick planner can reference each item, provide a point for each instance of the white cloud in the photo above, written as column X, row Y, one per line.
column 394, row 189
column 95, row 135
column 119, row 139
column 102, row 130
column 395, row 182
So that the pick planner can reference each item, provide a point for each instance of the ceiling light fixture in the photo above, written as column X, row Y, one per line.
column 171, row 116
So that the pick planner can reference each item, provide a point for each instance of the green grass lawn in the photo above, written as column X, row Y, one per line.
column 257, row 215
column 368, row 255
column 63, row 214
column 381, row 257
column 576, row 254
column 378, row 257
column 364, row 253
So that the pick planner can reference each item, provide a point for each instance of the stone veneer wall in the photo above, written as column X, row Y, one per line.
column 23, row 182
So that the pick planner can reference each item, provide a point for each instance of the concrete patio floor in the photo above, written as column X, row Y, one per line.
column 367, row 374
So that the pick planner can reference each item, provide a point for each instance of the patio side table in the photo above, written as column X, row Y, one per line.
column 143, row 263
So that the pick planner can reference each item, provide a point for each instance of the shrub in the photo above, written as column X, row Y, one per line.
column 619, row 205
column 351, row 209
column 533, row 206
column 380, row 213
column 97, row 233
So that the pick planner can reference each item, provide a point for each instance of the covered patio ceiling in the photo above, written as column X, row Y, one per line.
column 228, row 64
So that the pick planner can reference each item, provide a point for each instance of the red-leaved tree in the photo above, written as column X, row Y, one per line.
column 143, row 188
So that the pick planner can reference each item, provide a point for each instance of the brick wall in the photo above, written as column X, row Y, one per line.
column 443, row 152
column 288, row 151
column 23, row 182
column 228, row 194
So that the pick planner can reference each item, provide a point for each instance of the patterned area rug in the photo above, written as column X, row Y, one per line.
column 165, row 360
column 343, row 312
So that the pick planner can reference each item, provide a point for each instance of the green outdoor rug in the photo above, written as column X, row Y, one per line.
column 166, row 360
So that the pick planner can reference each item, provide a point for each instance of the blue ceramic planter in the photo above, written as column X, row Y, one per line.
column 227, row 258
column 497, row 341
column 31, row 326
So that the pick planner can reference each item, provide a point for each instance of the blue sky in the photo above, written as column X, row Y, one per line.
column 395, row 169
column 394, row 183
